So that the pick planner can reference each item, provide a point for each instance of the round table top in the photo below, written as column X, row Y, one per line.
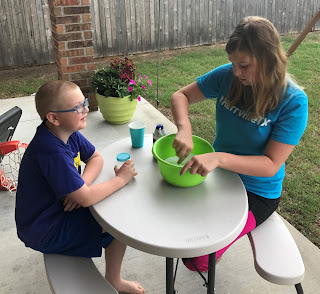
column 155, row 217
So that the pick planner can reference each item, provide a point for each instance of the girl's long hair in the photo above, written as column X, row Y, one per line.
column 258, row 37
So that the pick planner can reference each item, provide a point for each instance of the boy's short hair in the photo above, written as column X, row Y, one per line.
column 50, row 96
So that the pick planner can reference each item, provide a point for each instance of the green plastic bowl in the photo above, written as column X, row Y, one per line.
column 162, row 150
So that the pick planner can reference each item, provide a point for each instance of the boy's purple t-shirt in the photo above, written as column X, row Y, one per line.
column 50, row 169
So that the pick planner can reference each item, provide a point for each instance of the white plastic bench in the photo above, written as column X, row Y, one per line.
column 75, row 275
column 276, row 256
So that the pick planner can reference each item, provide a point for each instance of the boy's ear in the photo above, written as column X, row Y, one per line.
column 53, row 118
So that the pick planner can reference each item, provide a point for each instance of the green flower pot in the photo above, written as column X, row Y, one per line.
column 116, row 110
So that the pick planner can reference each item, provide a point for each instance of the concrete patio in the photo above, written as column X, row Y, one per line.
column 22, row 269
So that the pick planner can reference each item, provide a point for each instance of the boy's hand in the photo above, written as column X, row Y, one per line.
column 126, row 172
column 69, row 204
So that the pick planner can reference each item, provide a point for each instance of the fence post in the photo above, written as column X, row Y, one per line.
column 73, row 44
column 304, row 33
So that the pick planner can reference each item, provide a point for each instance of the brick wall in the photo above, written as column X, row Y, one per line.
column 73, row 45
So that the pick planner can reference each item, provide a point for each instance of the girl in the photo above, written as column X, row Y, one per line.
column 261, row 115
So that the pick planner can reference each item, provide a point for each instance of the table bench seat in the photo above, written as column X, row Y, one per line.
column 75, row 275
column 276, row 256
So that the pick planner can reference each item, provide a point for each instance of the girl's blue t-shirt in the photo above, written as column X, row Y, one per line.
column 237, row 134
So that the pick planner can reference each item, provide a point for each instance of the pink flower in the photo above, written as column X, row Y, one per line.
column 132, row 82
column 143, row 87
column 139, row 98
column 146, row 77
column 149, row 81
column 130, row 89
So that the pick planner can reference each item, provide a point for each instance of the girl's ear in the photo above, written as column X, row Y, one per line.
column 53, row 118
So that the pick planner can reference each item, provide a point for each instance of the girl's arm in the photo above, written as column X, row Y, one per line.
column 266, row 165
column 180, row 102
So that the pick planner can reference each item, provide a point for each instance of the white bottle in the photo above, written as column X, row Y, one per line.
column 159, row 132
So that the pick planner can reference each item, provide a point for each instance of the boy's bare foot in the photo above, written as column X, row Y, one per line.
column 125, row 286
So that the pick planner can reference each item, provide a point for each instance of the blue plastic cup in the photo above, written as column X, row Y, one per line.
column 137, row 133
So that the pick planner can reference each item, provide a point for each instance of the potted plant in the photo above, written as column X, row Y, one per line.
column 118, row 88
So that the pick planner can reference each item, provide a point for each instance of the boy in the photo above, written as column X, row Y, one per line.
column 53, row 199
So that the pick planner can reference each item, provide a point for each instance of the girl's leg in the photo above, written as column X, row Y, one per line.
column 114, row 255
column 259, row 210
column 201, row 262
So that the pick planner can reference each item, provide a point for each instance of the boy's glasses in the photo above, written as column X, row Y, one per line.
column 79, row 108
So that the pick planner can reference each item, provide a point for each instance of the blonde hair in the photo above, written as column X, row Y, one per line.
column 51, row 96
column 258, row 37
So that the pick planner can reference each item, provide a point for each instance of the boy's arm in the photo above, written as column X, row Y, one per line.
column 93, row 167
column 89, row 195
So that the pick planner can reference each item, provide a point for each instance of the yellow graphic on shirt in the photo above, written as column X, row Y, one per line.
column 77, row 163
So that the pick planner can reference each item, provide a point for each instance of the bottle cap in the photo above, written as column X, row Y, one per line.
column 123, row 157
column 159, row 126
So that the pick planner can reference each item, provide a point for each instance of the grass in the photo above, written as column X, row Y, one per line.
column 300, row 199
column 24, row 81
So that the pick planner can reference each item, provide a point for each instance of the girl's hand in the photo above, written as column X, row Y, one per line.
column 183, row 144
column 126, row 172
column 201, row 164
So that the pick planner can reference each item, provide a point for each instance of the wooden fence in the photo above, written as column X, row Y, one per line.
column 123, row 27
column 25, row 33
column 131, row 26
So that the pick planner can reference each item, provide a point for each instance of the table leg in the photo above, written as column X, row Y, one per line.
column 211, row 273
column 169, row 276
